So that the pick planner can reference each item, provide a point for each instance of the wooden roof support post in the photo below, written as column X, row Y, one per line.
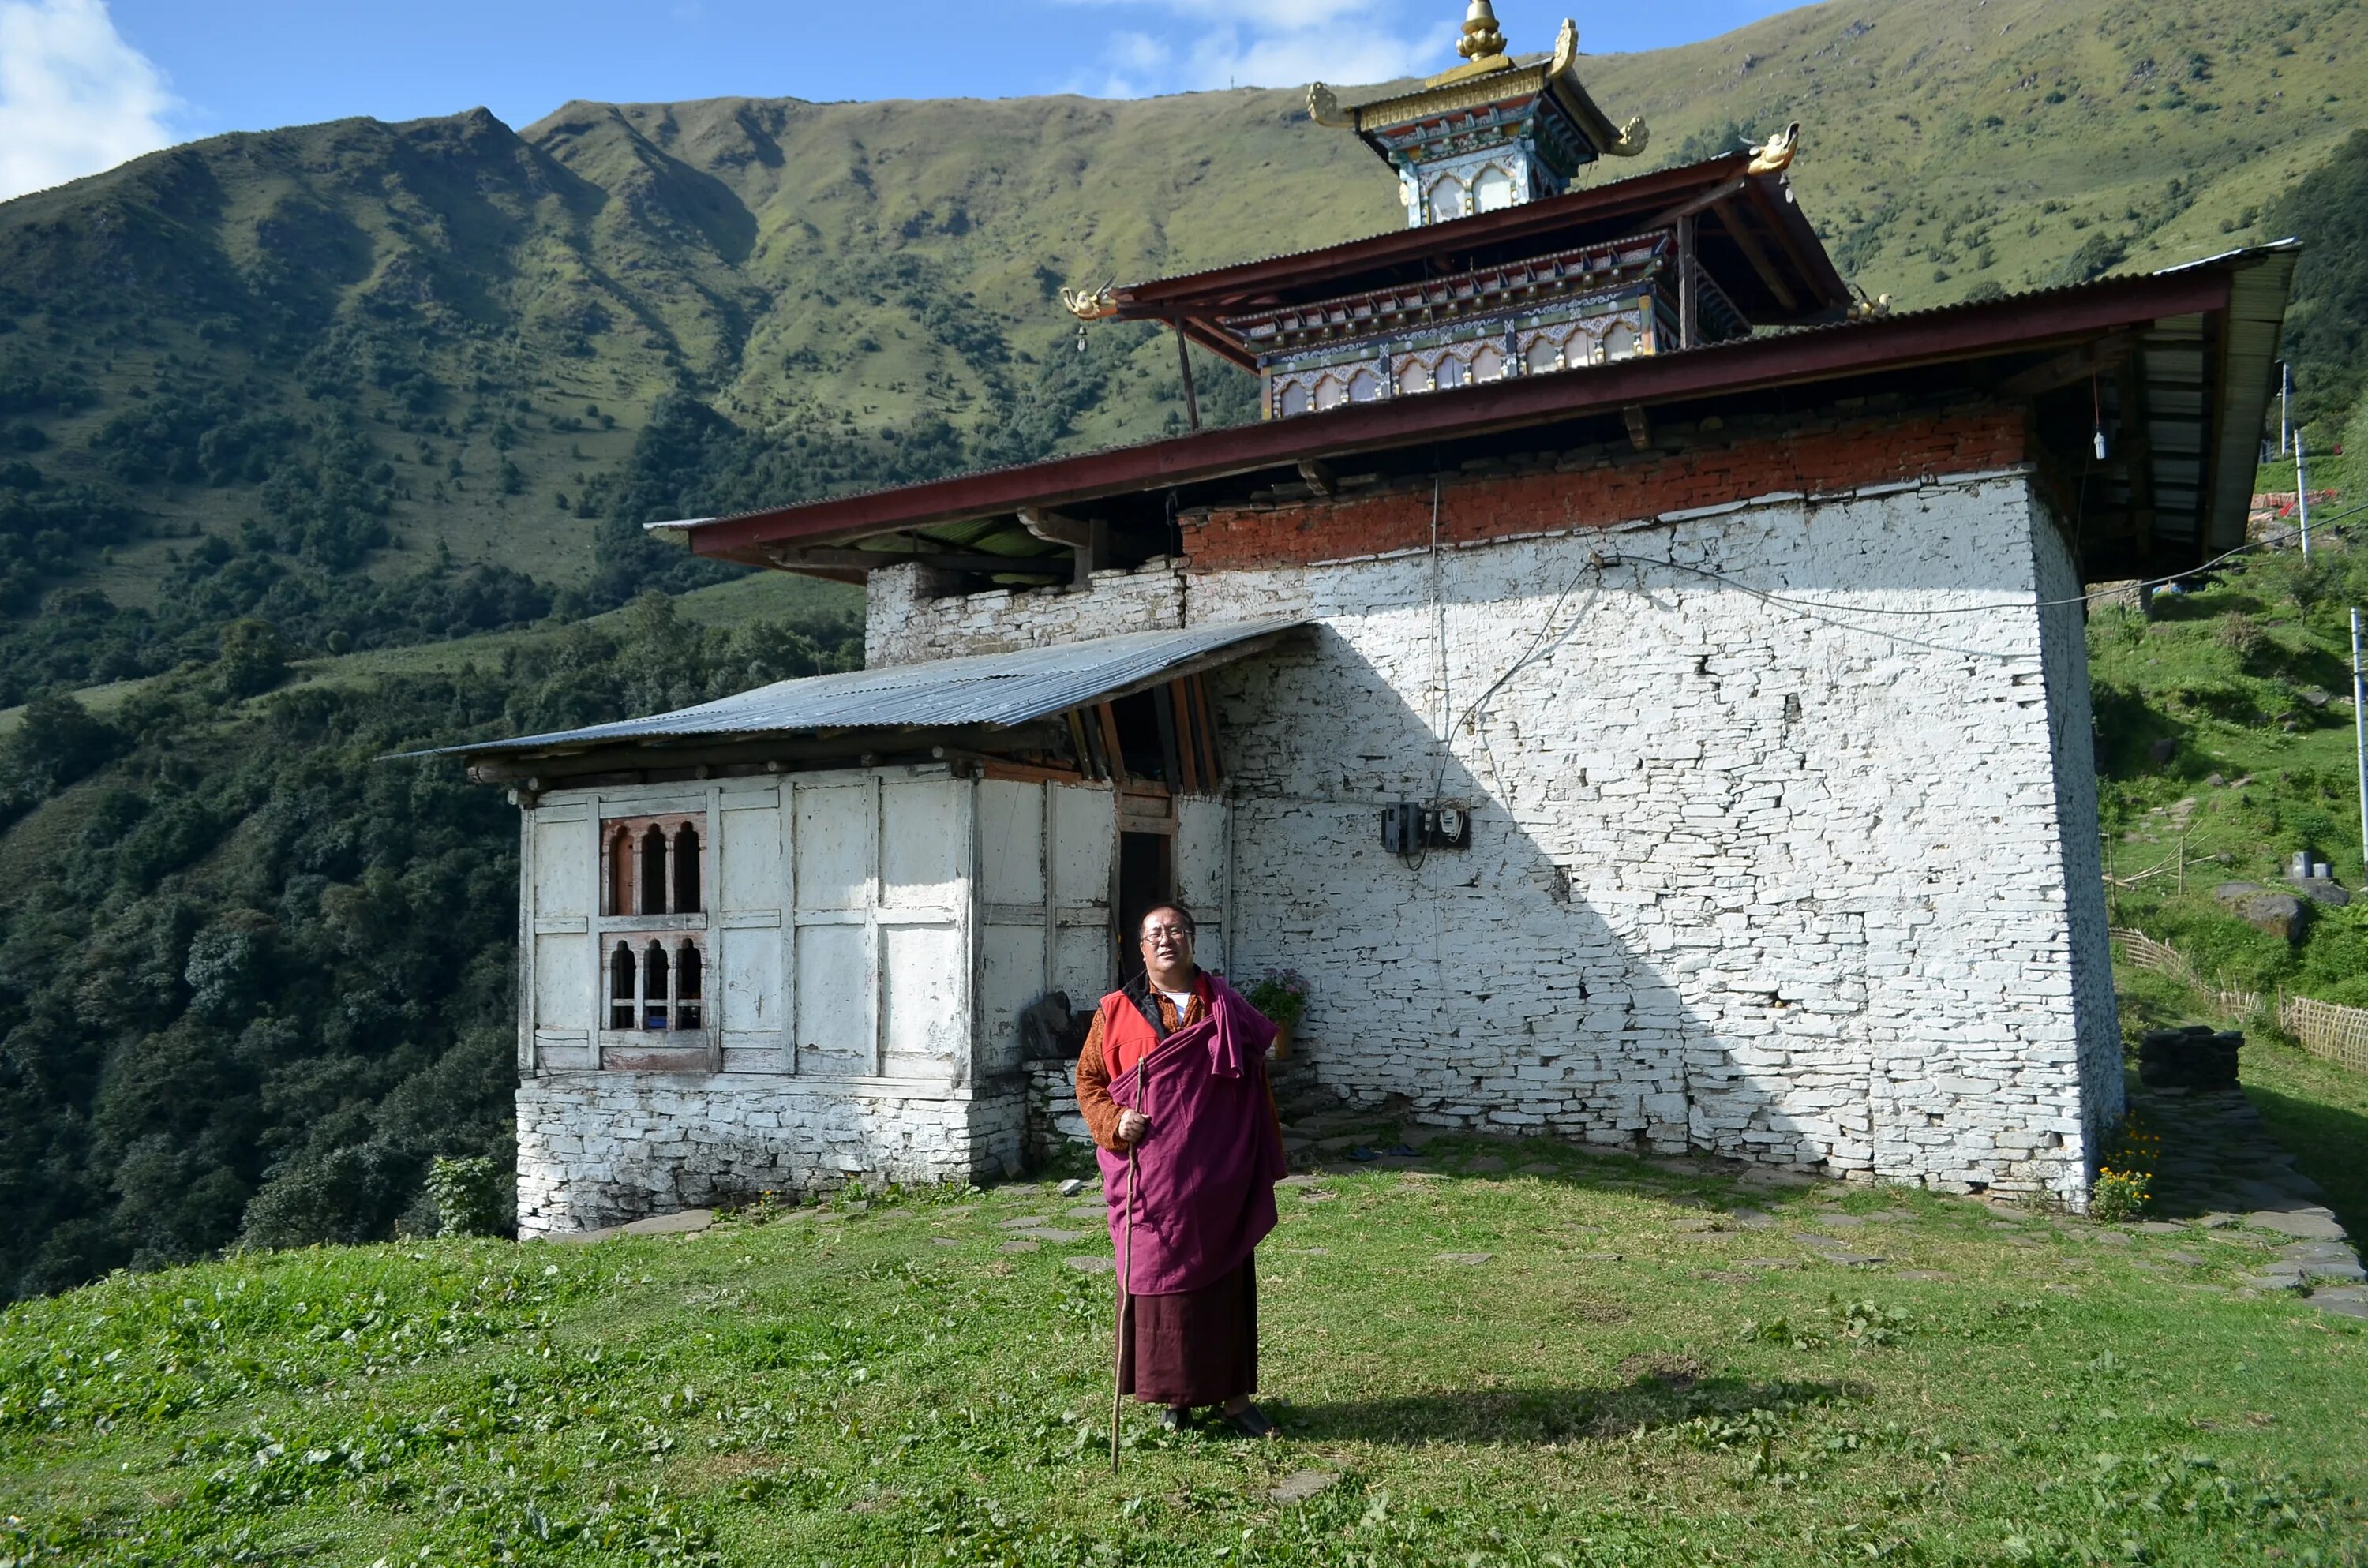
column 1689, row 335
column 1087, row 538
column 1184, row 363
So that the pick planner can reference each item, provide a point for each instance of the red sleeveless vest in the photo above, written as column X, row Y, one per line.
column 1127, row 1035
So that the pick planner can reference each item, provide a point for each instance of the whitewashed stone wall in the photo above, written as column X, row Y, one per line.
column 594, row 1148
column 904, row 623
column 1809, row 886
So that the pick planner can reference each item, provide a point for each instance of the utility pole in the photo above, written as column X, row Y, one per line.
column 2360, row 734
column 2286, row 398
column 2301, row 494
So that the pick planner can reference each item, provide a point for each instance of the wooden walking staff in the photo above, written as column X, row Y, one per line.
column 1125, row 1280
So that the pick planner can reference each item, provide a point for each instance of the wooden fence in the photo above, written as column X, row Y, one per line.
column 2338, row 1034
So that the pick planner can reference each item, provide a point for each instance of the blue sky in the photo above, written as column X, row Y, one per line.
column 84, row 83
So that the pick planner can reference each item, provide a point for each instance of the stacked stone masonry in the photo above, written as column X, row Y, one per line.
column 594, row 1148
column 1784, row 840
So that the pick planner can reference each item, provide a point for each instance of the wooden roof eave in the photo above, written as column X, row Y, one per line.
column 2010, row 325
column 1771, row 200
column 1226, row 289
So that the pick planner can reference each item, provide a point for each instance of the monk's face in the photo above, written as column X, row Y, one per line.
column 1166, row 947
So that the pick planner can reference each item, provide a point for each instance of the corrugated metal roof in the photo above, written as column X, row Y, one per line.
column 990, row 689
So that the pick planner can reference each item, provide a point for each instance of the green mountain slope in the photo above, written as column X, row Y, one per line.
column 388, row 403
column 446, row 336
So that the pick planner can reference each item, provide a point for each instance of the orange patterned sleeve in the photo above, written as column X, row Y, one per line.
column 1094, row 1102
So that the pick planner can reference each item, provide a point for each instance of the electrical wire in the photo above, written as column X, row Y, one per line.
column 1792, row 603
column 1539, row 649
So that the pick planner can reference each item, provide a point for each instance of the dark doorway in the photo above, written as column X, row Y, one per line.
column 1147, row 878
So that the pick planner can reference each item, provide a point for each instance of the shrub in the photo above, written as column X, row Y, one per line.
column 467, row 1194
column 253, row 658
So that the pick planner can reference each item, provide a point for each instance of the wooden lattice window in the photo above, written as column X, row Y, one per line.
column 653, row 923
column 650, row 864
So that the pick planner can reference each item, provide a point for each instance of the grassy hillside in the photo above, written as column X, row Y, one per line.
column 1595, row 1361
column 2246, row 682
column 320, row 442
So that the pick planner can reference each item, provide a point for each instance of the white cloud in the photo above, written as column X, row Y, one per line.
column 75, row 98
column 1263, row 43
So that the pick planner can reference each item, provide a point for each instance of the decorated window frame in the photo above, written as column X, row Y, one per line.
column 657, row 969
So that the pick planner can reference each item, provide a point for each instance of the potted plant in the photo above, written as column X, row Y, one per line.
column 1281, row 995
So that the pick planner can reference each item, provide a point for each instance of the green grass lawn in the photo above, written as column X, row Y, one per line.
column 1642, row 1370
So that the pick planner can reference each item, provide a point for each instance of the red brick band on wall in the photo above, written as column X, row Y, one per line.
column 1616, row 490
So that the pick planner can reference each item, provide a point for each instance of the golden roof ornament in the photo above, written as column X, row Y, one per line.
column 1775, row 155
column 1481, row 37
column 1089, row 304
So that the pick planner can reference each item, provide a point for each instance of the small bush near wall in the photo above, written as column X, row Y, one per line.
column 467, row 1194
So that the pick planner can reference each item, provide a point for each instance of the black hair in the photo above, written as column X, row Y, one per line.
column 1183, row 915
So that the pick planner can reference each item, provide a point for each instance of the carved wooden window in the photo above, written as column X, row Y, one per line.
column 653, row 924
column 1493, row 190
column 650, row 864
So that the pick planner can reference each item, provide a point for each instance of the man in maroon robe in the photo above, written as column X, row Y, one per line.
column 1173, row 1070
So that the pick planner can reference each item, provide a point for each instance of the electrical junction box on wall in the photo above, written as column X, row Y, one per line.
column 1409, row 827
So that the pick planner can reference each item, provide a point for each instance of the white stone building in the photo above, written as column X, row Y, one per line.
column 1687, row 751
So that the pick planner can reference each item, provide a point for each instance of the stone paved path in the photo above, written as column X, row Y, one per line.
column 2220, row 1166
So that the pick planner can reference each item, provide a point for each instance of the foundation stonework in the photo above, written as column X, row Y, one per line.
column 594, row 1148
column 1811, row 883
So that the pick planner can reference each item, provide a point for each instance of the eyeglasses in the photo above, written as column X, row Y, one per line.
column 1161, row 934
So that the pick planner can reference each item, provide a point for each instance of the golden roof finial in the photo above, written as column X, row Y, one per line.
column 1480, row 37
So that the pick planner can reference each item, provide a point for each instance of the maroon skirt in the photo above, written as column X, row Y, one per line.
column 1196, row 1348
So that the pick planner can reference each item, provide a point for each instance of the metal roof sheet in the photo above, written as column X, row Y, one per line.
column 988, row 689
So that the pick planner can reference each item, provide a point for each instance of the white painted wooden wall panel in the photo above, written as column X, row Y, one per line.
column 1085, row 837
column 563, row 984
column 1011, row 976
column 1081, row 964
column 923, row 843
column 750, row 851
column 921, row 1021
column 835, row 997
column 1200, row 873
column 1012, row 843
column 563, row 876
column 748, row 961
column 835, row 835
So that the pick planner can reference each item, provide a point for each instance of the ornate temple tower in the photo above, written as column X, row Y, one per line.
column 1504, row 269
column 1489, row 133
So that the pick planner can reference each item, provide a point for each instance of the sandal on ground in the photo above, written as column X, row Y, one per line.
column 1174, row 1418
column 1251, row 1421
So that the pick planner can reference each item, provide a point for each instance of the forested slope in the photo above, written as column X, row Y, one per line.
column 355, row 387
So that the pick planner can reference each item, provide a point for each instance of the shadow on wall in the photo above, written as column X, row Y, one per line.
column 1741, row 880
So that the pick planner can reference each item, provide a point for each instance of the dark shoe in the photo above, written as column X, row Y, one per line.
column 1251, row 1421
column 1174, row 1418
